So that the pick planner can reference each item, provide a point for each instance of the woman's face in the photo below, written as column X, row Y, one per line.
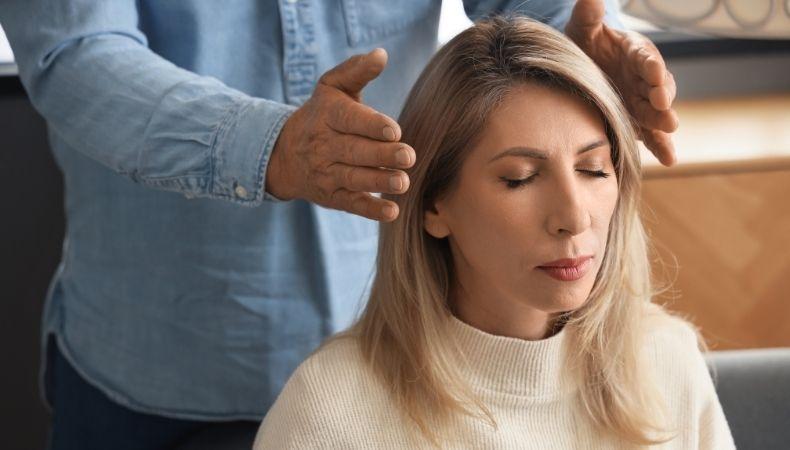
column 538, row 187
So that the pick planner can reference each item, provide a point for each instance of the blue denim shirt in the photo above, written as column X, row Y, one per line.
column 185, row 289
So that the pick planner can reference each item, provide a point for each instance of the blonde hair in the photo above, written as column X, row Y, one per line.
column 402, row 331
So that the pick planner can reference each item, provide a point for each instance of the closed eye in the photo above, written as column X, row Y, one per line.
column 514, row 184
column 517, row 183
column 596, row 173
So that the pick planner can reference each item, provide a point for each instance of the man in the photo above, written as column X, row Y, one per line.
column 217, row 180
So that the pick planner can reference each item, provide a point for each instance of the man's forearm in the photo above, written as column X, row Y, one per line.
column 106, row 94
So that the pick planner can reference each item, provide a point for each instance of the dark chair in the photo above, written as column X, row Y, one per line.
column 754, row 390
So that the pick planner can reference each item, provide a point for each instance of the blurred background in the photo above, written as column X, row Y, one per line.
column 719, row 219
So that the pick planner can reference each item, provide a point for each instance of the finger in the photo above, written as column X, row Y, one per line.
column 356, row 72
column 672, row 88
column 645, row 60
column 660, row 144
column 649, row 67
column 349, row 117
column 651, row 118
column 358, row 151
column 366, row 179
column 586, row 18
column 659, row 96
column 365, row 205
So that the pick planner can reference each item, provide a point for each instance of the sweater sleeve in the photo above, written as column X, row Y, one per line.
column 294, row 421
column 688, row 386
column 714, row 431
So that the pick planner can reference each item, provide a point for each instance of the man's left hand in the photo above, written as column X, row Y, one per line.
column 637, row 70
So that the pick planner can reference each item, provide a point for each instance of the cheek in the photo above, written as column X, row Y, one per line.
column 507, row 216
column 606, row 203
column 489, row 225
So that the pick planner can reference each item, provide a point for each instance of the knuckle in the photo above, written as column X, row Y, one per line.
column 349, row 155
column 355, row 152
column 321, row 88
column 385, row 156
column 336, row 198
column 349, row 177
column 355, row 59
column 315, row 166
column 333, row 177
column 362, row 205
column 334, row 114
column 378, row 119
column 346, row 116
column 325, row 186
column 634, row 101
column 632, row 50
column 323, row 80
column 336, row 195
column 322, row 174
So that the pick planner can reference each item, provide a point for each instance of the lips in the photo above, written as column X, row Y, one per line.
column 567, row 269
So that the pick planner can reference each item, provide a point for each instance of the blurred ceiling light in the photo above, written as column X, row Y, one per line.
column 761, row 19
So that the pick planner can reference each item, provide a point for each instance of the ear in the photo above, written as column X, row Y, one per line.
column 435, row 223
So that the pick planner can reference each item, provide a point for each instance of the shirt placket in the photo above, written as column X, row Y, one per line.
column 299, row 50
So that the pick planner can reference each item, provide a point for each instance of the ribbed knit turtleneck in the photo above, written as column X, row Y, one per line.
column 533, row 368
column 335, row 400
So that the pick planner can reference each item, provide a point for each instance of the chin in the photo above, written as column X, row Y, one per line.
column 563, row 303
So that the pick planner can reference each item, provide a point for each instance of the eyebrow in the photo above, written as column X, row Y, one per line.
column 538, row 154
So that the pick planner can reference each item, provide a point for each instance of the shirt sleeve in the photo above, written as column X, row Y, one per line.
column 553, row 12
column 89, row 72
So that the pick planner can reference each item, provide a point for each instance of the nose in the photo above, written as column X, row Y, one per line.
column 568, row 212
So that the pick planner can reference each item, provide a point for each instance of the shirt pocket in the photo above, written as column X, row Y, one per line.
column 369, row 21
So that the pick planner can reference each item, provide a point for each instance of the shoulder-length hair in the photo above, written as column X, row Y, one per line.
column 402, row 331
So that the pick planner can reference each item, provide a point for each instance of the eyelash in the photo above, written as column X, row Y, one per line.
column 515, row 184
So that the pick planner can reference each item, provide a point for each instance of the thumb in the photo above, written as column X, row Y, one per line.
column 356, row 72
column 586, row 18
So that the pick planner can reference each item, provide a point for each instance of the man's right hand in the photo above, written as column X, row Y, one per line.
column 335, row 151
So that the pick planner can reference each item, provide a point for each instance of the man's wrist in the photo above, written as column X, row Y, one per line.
column 276, row 180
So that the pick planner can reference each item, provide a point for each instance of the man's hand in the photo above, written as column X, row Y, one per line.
column 637, row 70
column 335, row 151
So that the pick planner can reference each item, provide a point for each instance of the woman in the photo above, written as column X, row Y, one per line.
column 512, row 301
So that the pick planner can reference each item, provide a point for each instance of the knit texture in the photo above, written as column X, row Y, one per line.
column 334, row 401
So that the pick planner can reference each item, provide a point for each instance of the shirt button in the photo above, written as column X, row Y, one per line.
column 240, row 191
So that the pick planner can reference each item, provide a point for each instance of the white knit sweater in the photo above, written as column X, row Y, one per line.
column 333, row 400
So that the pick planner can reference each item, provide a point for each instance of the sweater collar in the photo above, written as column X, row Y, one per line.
column 511, row 365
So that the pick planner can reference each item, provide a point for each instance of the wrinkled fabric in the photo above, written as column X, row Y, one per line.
column 184, row 288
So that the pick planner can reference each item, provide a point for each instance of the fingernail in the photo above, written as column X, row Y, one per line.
column 396, row 183
column 402, row 157
column 389, row 133
column 388, row 211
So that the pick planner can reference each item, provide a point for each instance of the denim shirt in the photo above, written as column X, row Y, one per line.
column 184, row 288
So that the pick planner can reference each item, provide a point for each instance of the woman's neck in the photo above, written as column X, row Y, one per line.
column 502, row 316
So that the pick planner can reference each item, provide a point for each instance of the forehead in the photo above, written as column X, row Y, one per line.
column 546, row 118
